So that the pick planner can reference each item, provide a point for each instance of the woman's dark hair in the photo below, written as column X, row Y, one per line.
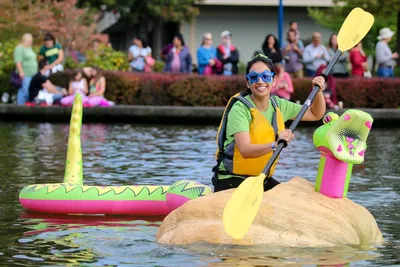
column 265, row 44
column 180, row 37
column 99, row 73
column 49, row 37
column 74, row 73
column 330, row 41
column 259, row 57
column 144, row 43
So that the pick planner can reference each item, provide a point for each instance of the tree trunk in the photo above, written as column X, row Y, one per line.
column 157, row 38
column 398, row 34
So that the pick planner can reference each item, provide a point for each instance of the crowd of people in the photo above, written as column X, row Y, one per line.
column 291, row 59
column 33, row 72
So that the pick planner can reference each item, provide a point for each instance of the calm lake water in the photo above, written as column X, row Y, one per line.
column 128, row 154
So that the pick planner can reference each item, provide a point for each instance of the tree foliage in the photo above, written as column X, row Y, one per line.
column 385, row 13
column 62, row 18
column 134, row 11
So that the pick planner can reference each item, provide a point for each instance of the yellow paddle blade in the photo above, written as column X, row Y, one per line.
column 242, row 207
column 354, row 28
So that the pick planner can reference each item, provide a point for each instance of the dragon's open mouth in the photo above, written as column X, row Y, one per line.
column 345, row 137
column 348, row 135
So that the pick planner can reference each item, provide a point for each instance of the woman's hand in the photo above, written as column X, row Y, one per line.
column 320, row 82
column 21, row 75
column 286, row 135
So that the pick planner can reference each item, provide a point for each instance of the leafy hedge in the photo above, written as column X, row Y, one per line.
column 194, row 90
column 106, row 58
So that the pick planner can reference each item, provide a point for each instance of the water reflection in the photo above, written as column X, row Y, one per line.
column 129, row 154
column 83, row 239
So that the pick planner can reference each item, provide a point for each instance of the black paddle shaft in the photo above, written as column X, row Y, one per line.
column 303, row 110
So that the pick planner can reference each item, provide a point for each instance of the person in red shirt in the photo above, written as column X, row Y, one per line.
column 358, row 60
column 283, row 85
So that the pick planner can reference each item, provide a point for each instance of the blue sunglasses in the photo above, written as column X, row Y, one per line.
column 266, row 76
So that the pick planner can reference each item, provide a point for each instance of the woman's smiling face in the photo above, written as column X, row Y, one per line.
column 260, row 88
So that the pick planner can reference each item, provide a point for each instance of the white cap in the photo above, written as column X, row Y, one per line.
column 226, row 33
column 385, row 33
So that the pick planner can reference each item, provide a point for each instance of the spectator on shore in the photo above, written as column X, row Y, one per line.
column 293, row 26
column 74, row 53
column 53, row 53
column 315, row 55
column 292, row 53
column 283, row 83
column 206, row 54
column 358, row 60
column 330, row 95
column 271, row 48
column 228, row 55
column 42, row 90
column 139, row 52
column 167, row 48
column 340, row 68
column 26, row 65
column 97, row 88
column 77, row 85
column 385, row 59
column 178, row 58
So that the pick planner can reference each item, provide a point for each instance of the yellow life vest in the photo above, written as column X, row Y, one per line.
column 261, row 132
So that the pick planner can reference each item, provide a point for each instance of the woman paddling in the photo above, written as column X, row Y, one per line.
column 252, row 125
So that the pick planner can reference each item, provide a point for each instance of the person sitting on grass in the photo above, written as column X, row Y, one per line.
column 42, row 90
column 77, row 85
column 97, row 88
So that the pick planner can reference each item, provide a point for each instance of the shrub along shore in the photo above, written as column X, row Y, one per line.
column 125, row 88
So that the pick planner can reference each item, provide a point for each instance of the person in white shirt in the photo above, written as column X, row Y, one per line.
column 315, row 55
column 385, row 59
column 138, row 53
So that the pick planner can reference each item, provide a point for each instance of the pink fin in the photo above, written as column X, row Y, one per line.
column 350, row 146
column 361, row 153
column 347, row 117
column 349, row 140
column 339, row 148
column 368, row 124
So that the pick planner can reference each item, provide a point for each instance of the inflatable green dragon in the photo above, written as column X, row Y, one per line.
column 342, row 142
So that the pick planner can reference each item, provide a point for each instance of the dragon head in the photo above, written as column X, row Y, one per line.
column 344, row 137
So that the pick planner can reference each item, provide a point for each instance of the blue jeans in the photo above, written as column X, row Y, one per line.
column 23, row 92
column 385, row 72
column 57, row 97
column 310, row 73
